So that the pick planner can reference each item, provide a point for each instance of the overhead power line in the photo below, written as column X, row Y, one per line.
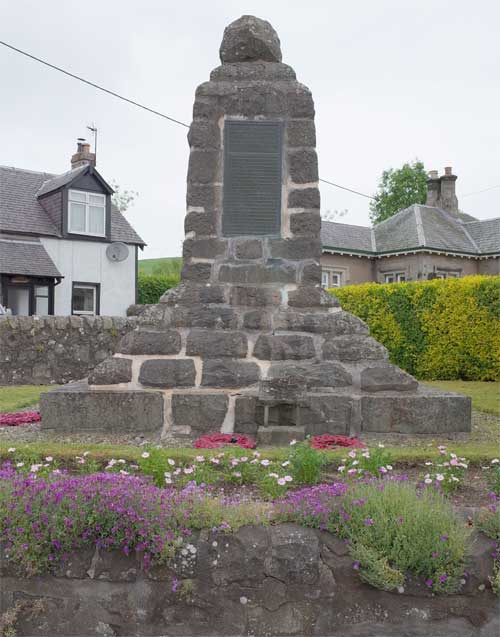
column 167, row 117
column 100, row 88
column 477, row 192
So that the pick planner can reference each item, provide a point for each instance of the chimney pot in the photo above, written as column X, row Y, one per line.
column 448, row 171
column 433, row 174
column 83, row 155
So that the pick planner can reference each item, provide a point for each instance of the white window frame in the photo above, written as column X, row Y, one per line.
column 87, row 205
column 339, row 275
column 445, row 274
column 397, row 277
column 329, row 275
column 84, row 286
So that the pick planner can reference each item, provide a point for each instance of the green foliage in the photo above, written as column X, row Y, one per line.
column 488, row 521
column 152, row 286
column 374, row 569
column 398, row 189
column 376, row 462
column 408, row 533
column 306, row 463
column 123, row 199
column 493, row 476
column 440, row 329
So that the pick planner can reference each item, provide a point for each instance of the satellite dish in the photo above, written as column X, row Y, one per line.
column 117, row 251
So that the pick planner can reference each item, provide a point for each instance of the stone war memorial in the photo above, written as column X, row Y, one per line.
column 249, row 342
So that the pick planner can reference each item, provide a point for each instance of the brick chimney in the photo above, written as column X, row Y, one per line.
column 433, row 188
column 83, row 155
column 448, row 199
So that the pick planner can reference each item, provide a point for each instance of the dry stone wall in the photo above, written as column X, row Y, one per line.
column 260, row 581
column 56, row 349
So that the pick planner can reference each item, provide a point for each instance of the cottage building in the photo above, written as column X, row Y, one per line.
column 64, row 246
column 422, row 242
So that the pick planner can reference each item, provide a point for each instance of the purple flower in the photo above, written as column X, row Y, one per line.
column 356, row 564
column 368, row 522
column 175, row 585
column 434, row 554
column 428, row 583
column 444, row 538
column 443, row 578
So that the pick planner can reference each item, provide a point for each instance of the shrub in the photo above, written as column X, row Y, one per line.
column 390, row 529
column 306, row 463
column 150, row 287
column 493, row 476
column 440, row 329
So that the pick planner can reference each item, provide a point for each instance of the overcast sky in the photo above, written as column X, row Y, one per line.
column 392, row 80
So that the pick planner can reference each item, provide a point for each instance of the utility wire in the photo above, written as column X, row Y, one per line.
column 348, row 189
column 476, row 192
column 100, row 88
column 172, row 119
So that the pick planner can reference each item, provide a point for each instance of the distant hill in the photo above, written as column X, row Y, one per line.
column 171, row 266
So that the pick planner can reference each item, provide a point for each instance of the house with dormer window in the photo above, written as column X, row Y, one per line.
column 64, row 246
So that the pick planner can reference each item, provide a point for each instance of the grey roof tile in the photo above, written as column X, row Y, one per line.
column 345, row 236
column 21, row 212
column 58, row 181
column 26, row 257
column 416, row 227
column 486, row 234
column 399, row 232
column 19, row 209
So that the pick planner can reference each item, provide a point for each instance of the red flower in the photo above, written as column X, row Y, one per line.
column 328, row 441
column 214, row 441
column 19, row 418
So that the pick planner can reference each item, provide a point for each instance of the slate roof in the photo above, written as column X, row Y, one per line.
column 417, row 227
column 56, row 181
column 486, row 234
column 27, row 258
column 337, row 235
column 22, row 213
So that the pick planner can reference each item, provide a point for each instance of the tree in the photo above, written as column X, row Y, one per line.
column 123, row 199
column 399, row 188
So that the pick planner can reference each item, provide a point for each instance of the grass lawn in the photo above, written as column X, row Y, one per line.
column 485, row 396
column 14, row 398
column 482, row 446
column 167, row 265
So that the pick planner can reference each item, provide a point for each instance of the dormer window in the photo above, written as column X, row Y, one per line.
column 87, row 213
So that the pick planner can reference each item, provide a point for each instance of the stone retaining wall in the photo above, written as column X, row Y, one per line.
column 56, row 349
column 279, row 580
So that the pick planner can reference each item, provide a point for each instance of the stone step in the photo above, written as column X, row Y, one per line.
column 279, row 435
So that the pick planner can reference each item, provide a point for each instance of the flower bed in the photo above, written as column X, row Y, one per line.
column 19, row 418
column 328, row 441
column 217, row 440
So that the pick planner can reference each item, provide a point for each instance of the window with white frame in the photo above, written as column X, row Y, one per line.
column 86, row 213
column 85, row 299
column 444, row 274
column 331, row 278
column 394, row 277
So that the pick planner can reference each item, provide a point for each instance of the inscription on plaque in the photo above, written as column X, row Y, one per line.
column 252, row 178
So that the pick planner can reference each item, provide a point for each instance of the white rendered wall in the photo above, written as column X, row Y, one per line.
column 86, row 262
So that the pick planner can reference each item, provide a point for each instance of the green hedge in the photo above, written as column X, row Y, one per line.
column 152, row 286
column 441, row 329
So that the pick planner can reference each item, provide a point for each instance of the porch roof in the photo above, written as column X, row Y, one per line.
column 28, row 258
